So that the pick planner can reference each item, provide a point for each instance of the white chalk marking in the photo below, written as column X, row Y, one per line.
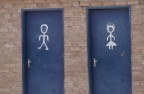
column 111, row 38
column 44, row 29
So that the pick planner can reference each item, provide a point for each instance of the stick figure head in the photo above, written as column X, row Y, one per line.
column 110, row 28
column 44, row 28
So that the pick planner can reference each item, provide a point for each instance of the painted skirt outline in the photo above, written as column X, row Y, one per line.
column 111, row 38
column 44, row 29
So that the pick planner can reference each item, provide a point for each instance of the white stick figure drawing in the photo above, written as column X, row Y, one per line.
column 44, row 29
column 111, row 38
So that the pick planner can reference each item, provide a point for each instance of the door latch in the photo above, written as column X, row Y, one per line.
column 29, row 63
column 95, row 61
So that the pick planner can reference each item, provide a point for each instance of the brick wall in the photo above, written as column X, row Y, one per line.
column 76, row 72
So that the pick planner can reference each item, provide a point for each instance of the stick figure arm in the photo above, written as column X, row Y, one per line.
column 40, row 37
column 113, row 37
column 47, row 38
column 108, row 38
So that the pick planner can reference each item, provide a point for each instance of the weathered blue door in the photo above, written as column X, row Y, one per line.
column 109, row 50
column 43, row 51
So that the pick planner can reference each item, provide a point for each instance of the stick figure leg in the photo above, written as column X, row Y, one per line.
column 46, row 46
column 109, row 47
column 40, row 46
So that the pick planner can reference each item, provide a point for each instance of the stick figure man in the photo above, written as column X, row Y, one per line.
column 111, row 38
column 44, row 29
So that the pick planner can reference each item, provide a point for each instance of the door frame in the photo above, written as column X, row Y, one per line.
column 23, row 18
column 89, row 50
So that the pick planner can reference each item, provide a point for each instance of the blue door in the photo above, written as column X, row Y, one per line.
column 43, row 51
column 109, row 50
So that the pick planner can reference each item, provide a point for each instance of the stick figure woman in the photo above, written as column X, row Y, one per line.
column 111, row 38
column 44, row 29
